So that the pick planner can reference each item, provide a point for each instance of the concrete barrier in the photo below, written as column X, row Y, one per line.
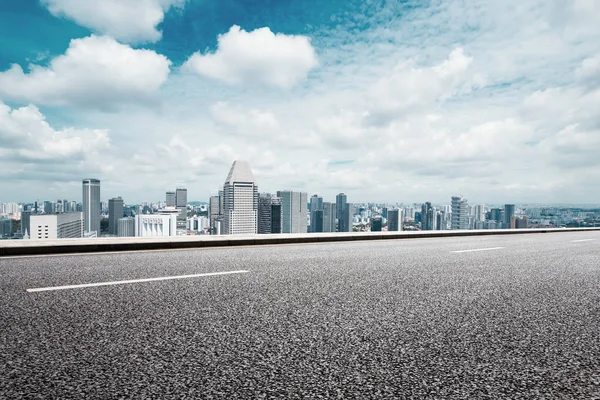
column 98, row 245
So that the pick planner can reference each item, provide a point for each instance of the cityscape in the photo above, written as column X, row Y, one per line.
column 240, row 208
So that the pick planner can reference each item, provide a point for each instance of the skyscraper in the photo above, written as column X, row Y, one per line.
column 269, row 213
column 459, row 213
column 316, row 214
column 509, row 212
column 170, row 199
column 344, row 213
column 329, row 216
column 91, row 205
column 340, row 200
column 115, row 213
column 428, row 214
column 214, row 211
column 294, row 209
column 376, row 223
column 240, row 200
column 394, row 222
column 181, row 204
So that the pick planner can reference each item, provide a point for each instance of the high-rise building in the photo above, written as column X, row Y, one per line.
column 181, row 204
column 340, row 200
column 294, row 209
column 240, row 200
column 376, row 223
column 316, row 213
column 480, row 212
column 170, row 199
column 459, row 213
column 214, row 212
column 5, row 227
column 25, row 219
column 394, row 221
column 329, row 216
column 344, row 211
column 115, row 213
column 509, row 212
column 269, row 213
column 428, row 217
column 91, row 206
column 57, row 226
column 126, row 227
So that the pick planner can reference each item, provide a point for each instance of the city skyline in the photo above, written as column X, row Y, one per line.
column 398, row 101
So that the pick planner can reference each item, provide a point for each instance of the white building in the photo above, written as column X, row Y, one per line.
column 56, row 226
column 240, row 204
column 162, row 224
column 460, row 219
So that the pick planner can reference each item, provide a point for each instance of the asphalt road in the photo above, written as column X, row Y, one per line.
column 517, row 318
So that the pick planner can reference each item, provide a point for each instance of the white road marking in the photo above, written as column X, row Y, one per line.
column 471, row 250
column 582, row 240
column 163, row 278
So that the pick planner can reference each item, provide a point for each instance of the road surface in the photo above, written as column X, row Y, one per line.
column 514, row 316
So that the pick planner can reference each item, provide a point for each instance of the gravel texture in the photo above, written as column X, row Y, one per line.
column 390, row 319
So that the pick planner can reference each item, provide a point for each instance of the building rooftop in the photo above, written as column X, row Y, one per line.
column 240, row 172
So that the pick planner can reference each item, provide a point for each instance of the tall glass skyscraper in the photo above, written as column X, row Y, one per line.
column 294, row 209
column 115, row 213
column 91, row 205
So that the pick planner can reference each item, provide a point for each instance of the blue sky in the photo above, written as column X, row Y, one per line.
column 399, row 101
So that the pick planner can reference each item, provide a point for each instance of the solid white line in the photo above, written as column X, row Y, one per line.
column 163, row 278
column 582, row 240
column 471, row 250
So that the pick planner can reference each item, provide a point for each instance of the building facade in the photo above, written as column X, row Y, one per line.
column 394, row 221
column 156, row 225
column 460, row 219
column 329, row 216
column 240, row 203
column 91, row 205
column 270, row 214
column 170, row 199
column 56, row 226
column 294, row 207
column 181, row 205
column 126, row 227
column 115, row 213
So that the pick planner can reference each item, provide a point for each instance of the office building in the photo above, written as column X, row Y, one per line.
column 509, row 212
column 170, row 199
column 56, row 226
column 519, row 223
column 344, row 212
column 5, row 228
column 126, row 227
column 294, row 210
column 240, row 201
column 115, row 213
column 394, row 220
column 155, row 225
column 376, row 223
column 480, row 212
column 316, row 214
column 181, row 205
column 460, row 219
column 329, row 216
column 91, row 206
column 25, row 219
column 270, row 214
column 428, row 217
column 214, row 211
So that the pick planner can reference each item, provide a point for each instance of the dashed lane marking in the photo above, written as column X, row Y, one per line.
column 473, row 250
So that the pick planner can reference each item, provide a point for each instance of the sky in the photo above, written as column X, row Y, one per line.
column 386, row 101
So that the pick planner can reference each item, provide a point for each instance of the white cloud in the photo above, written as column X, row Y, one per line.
column 132, row 21
column 257, row 57
column 26, row 138
column 95, row 71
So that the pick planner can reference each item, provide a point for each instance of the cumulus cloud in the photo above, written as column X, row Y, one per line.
column 408, row 88
column 257, row 57
column 95, row 71
column 26, row 137
column 132, row 21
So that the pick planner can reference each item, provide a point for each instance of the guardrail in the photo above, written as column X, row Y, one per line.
column 112, row 244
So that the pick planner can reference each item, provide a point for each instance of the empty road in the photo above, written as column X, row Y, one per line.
column 514, row 316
